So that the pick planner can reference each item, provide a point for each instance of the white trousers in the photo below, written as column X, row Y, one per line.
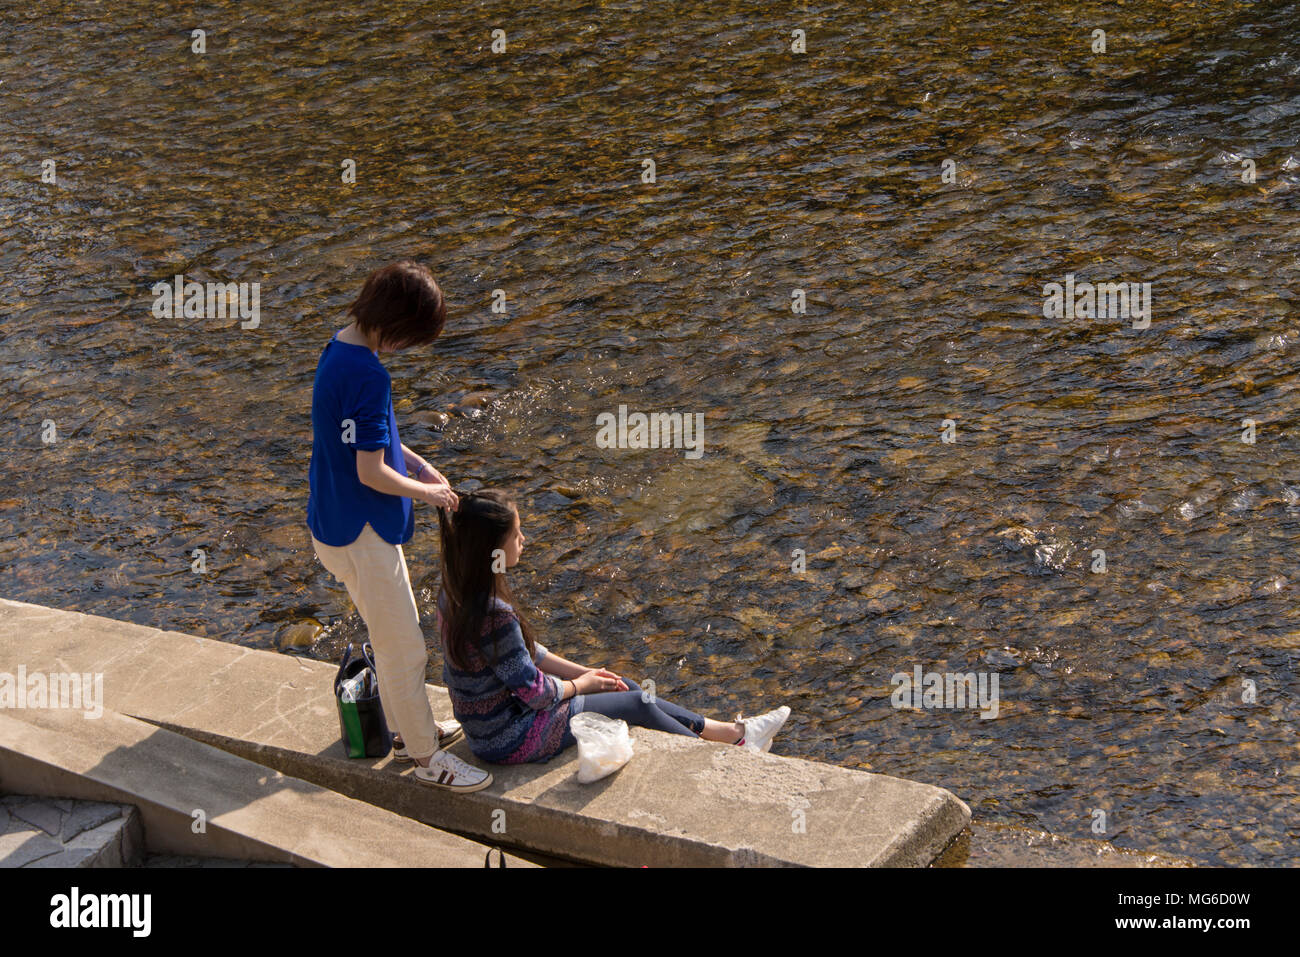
column 376, row 578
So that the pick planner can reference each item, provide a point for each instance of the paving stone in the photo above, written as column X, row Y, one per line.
column 93, row 834
column 41, row 813
column 99, row 835
column 79, row 857
column 86, row 816
column 22, row 848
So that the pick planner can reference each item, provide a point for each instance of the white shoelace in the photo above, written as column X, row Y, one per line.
column 455, row 765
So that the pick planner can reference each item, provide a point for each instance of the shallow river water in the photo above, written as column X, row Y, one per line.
column 1126, row 690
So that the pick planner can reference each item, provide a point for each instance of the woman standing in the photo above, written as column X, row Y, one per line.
column 359, row 509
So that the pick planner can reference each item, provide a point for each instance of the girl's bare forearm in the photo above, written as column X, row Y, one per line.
column 553, row 664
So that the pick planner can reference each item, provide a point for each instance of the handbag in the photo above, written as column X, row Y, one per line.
column 361, row 721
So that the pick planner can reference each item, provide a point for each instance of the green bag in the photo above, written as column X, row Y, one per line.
column 361, row 722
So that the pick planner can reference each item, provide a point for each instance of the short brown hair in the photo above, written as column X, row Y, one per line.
column 403, row 302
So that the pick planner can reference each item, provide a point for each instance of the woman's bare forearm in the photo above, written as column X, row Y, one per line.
column 553, row 664
column 381, row 477
column 414, row 462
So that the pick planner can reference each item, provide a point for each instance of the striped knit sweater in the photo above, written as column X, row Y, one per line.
column 511, row 712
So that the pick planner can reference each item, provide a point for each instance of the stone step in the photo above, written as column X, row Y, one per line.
column 680, row 801
column 196, row 800
column 40, row 831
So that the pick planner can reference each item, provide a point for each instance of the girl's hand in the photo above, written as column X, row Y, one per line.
column 440, row 496
column 598, row 680
column 606, row 673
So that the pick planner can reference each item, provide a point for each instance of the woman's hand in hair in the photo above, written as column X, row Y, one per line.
column 431, row 476
column 598, row 680
column 440, row 496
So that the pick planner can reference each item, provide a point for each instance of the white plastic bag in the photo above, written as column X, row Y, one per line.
column 604, row 745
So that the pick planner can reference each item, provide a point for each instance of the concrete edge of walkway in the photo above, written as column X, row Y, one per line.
column 680, row 801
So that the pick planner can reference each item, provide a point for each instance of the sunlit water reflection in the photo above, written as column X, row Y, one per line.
column 1121, row 690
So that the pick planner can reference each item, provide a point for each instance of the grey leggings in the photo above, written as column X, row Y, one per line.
column 631, row 707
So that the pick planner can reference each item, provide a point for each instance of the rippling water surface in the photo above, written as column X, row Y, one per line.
column 1121, row 690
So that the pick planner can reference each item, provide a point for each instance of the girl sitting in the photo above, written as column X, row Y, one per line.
column 512, row 697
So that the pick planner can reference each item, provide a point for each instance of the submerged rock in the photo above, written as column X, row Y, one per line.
column 1050, row 553
column 300, row 635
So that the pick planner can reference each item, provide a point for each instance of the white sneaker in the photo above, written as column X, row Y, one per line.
column 760, row 731
column 449, row 732
column 449, row 772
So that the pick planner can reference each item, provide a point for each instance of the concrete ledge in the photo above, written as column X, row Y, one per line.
column 680, row 802
column 249, row 812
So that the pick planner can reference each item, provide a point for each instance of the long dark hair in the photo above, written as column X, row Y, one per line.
column 469, row 536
